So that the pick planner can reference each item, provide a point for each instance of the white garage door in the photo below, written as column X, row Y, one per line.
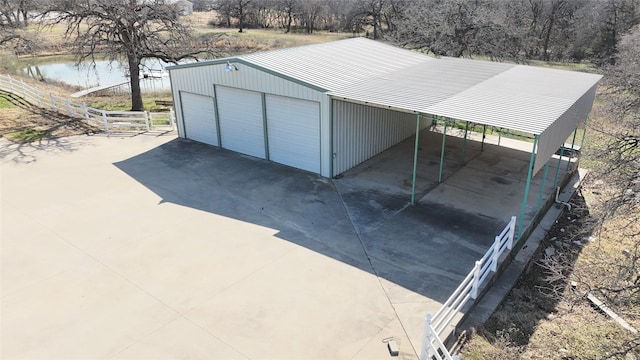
column 241, row 123
column 294, row 132
column 199, row 118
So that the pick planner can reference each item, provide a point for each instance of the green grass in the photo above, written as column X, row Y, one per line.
column 6, row 104
column 27, row 135
column 123, row 102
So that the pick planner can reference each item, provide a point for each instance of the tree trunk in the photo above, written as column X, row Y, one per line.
column 136, row 93
column 240, row 16
column 289, row 20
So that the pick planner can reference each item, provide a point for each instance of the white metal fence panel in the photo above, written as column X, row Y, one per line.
column 132, row 120
column 435, row 326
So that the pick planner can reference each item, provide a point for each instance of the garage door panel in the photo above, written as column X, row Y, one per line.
column 241, row 122
column 294, row 132
column 199, row 118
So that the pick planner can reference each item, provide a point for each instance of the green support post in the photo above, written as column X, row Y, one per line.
column 544, row 179
column 464, row 143
column 526, row 187
column 484, row 135
column 573, row 142
column 444, row 137
column 415, row 161
column 584, row 132
column 555, row 178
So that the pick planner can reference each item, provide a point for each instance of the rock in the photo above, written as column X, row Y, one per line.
column 563, row 351
column 550, row 251
column 578, row 243
column 562, row 230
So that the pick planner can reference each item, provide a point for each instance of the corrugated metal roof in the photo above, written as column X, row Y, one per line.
column 337, row 64
column 418, row 87
column 524, row 98
column 517, row 97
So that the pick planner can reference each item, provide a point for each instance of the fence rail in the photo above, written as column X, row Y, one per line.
column 435, row 326
column 109, row 120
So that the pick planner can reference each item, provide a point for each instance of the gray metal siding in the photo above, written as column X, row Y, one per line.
column 558, row 133
column 361, row 132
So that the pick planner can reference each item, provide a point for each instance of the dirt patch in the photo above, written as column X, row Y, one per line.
column 22, row 122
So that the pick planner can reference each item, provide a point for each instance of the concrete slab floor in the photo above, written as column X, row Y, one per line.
column 156, row 247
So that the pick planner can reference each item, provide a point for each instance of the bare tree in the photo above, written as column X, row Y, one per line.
column 15, row 13
column 239, row 9
column 371, row 12
column 288, row 9
column 622, row 154
column 129, row 31
column 310, row 13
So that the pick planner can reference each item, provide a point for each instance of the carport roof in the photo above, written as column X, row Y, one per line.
column 518, row 97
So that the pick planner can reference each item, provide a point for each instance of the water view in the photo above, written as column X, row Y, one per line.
column 153, row 72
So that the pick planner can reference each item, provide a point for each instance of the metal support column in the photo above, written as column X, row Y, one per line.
column 464, row 143
column 584, row 132
column 555, row 178
column 415, row 160
column 444, row 137
column 484, row 136
column 573, row 150
column 544, row 179
column 526, row 187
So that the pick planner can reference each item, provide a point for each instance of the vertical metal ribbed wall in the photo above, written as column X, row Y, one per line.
column 558, row 133
column 361, row 132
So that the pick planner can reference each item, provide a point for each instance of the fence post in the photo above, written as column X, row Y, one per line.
column 53, row 102
column 39, row 97
column 106, row 123
column 476, row 281
column 10, row 83
column 172, row 118
column 146, row 119
column 69, row 110
column 86, row 111
column 425, row 352
column 512, row 232
column 24, row 91
column 496, row 254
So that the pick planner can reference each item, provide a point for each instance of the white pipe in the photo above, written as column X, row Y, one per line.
column 561, row 202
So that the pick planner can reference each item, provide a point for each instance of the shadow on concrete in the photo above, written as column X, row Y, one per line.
column 363, row 219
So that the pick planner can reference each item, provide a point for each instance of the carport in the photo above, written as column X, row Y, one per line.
column 544, row 106
column 325, row 108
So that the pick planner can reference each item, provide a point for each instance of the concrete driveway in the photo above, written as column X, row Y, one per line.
column 150, row 246
column 155, row 247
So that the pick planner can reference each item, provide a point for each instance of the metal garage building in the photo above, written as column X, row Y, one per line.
column 327, row 107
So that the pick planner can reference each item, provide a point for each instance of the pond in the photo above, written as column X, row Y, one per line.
column 103, row 73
